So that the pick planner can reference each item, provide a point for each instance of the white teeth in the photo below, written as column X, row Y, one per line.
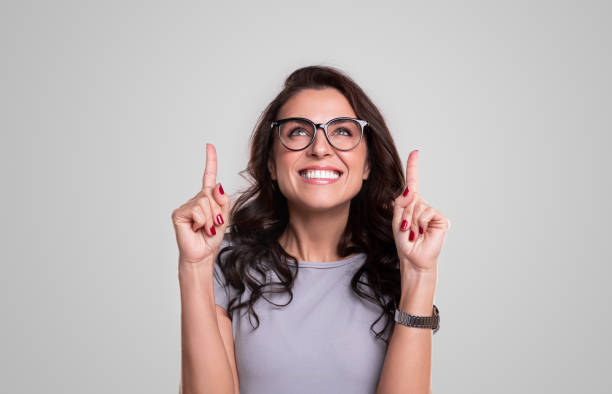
column 319, row 174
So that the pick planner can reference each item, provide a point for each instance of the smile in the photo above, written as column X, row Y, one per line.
column 320, row 177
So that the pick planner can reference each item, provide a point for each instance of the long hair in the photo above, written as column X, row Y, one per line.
column 260, row 214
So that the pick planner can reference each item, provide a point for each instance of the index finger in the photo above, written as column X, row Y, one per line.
column 210, row 171
column 412, row 176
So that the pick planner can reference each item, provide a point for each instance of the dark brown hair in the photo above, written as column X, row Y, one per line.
column 260, row 214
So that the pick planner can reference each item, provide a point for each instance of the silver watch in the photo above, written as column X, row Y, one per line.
column 409, row 320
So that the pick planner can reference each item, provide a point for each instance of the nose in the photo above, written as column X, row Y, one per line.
column 320, row 146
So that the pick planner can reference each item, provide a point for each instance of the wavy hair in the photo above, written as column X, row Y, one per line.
column 260, row 214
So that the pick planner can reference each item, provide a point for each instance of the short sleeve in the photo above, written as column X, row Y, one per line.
column 221, row 287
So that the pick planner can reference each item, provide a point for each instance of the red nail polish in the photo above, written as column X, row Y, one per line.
column 219, row 219
column 404, row 225
column 406, row 192
column 420, row 230
column 411, row 236
column 221, row 189
column 212, row 230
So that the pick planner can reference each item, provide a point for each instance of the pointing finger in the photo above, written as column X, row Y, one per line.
column 412, row 176
column 209, row 180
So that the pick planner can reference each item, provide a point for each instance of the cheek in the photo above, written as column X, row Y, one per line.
column 357, row 164
column 284, row 165
column 360, row 170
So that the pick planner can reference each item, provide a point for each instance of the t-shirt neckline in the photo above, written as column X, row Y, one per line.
column 328, row 264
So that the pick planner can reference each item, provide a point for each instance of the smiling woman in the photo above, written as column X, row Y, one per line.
column 323, row 247
column 317, row 151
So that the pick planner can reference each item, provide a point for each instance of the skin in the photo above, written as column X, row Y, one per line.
column 318, row 214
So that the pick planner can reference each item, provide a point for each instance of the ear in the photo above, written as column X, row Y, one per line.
column 272, row 169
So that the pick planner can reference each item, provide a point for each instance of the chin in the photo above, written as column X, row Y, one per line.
column 319, row 204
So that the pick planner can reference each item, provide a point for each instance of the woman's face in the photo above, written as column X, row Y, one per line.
column 287, row 166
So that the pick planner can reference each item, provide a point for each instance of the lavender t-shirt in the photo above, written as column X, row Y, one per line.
column 320, row 342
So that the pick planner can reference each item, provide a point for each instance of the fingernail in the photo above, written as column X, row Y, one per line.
column 404, row 225
column 219, row 219
column 221, row 189
column 420, row 230
column 411, row 236
column 212, row 230
column 406, row 192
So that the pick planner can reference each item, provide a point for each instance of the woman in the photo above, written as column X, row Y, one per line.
column 329, row 240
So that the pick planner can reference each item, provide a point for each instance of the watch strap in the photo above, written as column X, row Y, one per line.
column 409, row 320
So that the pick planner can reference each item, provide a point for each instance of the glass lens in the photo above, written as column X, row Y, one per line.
column 344, row 133
column 296, row 134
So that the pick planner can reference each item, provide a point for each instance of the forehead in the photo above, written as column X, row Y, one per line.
column 317, row 105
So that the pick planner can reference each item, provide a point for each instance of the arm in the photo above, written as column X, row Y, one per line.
column 204, row 364
column 407, row 365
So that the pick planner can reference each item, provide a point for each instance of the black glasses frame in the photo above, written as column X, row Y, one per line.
column 315, row 126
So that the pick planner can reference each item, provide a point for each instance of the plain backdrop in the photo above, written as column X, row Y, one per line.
column 106, row 108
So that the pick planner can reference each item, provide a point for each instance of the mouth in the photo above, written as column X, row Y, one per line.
column 323, row 174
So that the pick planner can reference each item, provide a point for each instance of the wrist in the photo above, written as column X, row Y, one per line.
column 417, row 292
column 203, row 267
column 410, row 273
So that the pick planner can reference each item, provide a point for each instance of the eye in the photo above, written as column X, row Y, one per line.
column 295, row 132
column 344, row 132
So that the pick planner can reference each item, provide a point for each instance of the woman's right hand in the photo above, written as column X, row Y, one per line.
column 200, row 223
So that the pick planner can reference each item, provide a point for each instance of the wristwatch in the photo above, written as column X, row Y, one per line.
column 409, row 320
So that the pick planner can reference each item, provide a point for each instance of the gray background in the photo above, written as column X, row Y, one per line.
column 106, row 108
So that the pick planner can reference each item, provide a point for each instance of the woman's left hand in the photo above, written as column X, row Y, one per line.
column 419, row 229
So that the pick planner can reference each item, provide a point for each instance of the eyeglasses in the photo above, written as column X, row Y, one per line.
column 343, row 133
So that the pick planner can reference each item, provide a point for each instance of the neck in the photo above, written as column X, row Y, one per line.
column 314, row 235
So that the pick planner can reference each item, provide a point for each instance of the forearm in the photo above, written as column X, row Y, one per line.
column 205, row 367
column 407, row 365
